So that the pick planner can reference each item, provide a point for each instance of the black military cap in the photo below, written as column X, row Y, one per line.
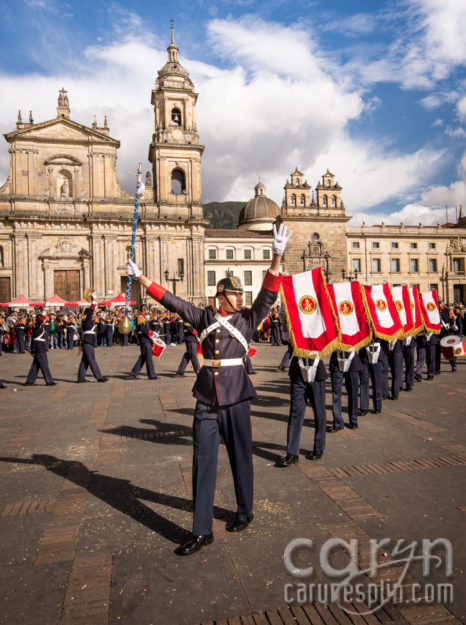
column 231, row 284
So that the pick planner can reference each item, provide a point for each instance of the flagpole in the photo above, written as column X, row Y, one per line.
column 124, row 327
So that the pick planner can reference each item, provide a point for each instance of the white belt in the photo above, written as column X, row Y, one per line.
column 225, row 362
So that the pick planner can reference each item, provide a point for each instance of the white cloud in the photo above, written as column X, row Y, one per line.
column 276, row 106
column 409, row 215
column 428, row 44
column 371, row 174
column 429, row 210
column 462, row 109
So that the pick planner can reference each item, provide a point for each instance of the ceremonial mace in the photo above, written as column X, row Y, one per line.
column 124, row 326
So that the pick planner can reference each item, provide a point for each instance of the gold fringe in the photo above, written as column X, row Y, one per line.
column 304, row 353
column 376, row 333
column 345, row 347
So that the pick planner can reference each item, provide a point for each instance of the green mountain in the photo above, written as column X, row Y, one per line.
column 223, row 214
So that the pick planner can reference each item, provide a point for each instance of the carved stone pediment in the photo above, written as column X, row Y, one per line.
column 63, row 159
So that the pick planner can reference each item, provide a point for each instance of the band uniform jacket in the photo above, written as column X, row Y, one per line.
column 143, row 331
column 222, row 386
column 39, row 339
column 189, row 333
column 87, row 324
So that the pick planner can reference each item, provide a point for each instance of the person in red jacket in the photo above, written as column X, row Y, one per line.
column 223, row 389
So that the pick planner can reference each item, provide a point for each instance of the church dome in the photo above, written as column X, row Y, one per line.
column 259, row 213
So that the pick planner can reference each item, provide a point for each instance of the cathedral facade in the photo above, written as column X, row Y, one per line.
column 66, row 222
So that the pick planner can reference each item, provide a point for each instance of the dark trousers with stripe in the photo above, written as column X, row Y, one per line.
column 408, row 357
column 40, row 362
column 145, row 358
column 233, row 423
column 351, row 379
column 364, row 377
column 396, row 367
column 314, row 393
column 88, row 360
column 421, row 359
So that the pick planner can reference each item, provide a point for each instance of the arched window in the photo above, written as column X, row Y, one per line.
column 334, row 201
column 176, row 117
column 315, row 237
column 293, row 199
column 178, row 182
column 64, row 183
column 301, row 199
column 324, row 201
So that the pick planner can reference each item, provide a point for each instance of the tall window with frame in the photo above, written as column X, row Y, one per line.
column 395, row 265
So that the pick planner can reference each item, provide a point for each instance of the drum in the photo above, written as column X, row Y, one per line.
column 158, row 347
column 453, row 346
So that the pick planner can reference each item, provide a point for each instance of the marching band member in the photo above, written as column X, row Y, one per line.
column 145, row 345
column 191, row 351
column 89, row 326
column 223, row 389
column 39, row 353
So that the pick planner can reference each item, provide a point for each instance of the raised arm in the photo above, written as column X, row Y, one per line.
column 186, row 310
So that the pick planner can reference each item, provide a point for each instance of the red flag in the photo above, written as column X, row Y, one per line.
column 381, row 311
column 310, row 315
column 417, row 316
column 350, row 313
column 403, row 307
column 430, row 311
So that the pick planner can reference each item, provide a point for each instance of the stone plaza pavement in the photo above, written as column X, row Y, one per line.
column 95, row 483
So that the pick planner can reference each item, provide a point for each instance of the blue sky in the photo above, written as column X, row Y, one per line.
column 373, row 91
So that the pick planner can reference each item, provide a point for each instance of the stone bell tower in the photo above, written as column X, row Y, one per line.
column 318, row 221
column 175, row 152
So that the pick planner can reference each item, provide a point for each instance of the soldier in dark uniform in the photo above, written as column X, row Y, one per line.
column 371, row 361
column 432, row 345
column 421, row 352
column 39, row 353
column 275, row 334
column 167, row 329
column 89, row 327
column 145, row 345
column 20, row 330
column 70, row 324
column 307, row 383
column 223, row 390
column 109, row 328
column 191, row 350
column 408, row 349
column 179, row 330
column 395, row 360
column 345, row 366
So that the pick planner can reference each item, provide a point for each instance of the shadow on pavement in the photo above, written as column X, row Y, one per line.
column 122, row 495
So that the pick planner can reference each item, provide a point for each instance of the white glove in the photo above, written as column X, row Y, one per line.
column 94, row 296
column 132, row 269
column 280, row 239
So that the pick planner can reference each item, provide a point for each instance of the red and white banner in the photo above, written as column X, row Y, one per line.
column 382, row 312
column 311, row 319
column 404, row 309
column 430, row 311
column 417, row 317
column 351, row 316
